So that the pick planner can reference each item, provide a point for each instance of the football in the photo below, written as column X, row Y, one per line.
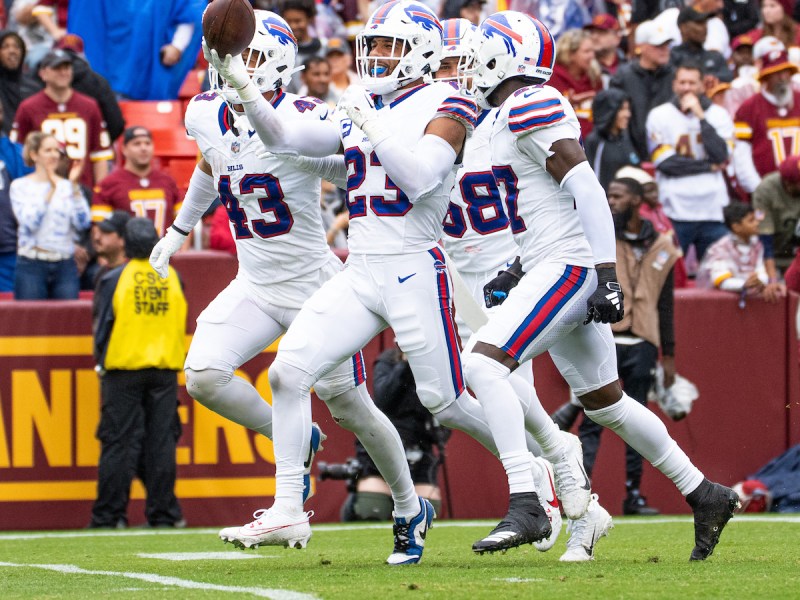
column 229, row 26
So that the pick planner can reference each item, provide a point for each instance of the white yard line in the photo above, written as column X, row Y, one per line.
column 332, row 527
column 276, row 594
column 192, row 556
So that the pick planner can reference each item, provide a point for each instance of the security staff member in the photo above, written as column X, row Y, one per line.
column 139, row 330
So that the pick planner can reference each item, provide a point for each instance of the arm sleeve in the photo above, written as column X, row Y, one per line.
column 81, row 214
column 330, row 168
column 769, row 247
column 744, row 167
column 199, row 196
column 666, row 315
column 309, row 138
column 683, row 166
column 419, row 170
column 593, row 211
column 716, row 146
column 104, row 315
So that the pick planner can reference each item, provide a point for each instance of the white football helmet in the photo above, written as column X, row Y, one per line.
column 511, row 44
column 269, row 58
column 417, row 42
column 460, row 39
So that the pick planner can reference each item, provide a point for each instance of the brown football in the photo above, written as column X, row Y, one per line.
column 229, row 26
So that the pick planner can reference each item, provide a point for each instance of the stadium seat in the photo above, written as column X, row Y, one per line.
column 191, row 85
column 173, row 143
column 180, row 169
column 160, row 115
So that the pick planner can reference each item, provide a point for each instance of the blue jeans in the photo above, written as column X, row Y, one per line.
column 8, row 263
column 700, row 233
column 43, row 280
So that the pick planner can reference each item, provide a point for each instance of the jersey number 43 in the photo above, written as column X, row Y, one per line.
column 278, row 220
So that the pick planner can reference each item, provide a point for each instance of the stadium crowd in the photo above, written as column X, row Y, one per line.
column 616, row 63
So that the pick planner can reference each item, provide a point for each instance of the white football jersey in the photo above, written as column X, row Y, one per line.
column 699, row 197
column 543, row 217
column 382, row 218
column 273, row 208
column 477, row 235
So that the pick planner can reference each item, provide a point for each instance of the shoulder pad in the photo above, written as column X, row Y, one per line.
column 535, row 107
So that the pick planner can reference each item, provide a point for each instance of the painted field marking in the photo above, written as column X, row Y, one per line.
column 276, row 594
column 187, row 556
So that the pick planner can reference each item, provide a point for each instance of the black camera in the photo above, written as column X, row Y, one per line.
column 349, row 470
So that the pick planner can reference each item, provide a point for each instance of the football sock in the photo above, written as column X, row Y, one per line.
column 537, row 421
column 232, row 397
column 355, row 411
column 646, row 433
column 490, row 381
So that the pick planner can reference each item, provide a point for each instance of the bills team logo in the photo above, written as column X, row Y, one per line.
column 422, row 16
column 439, row 266
column 280, row 31
column 499, row 26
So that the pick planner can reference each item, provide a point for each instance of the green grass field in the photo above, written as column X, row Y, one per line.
column 759, row 557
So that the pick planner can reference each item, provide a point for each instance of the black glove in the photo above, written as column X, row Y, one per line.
column 496, row 291
column 605, row 305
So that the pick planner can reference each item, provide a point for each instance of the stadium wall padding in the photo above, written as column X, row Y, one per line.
column 744, row 361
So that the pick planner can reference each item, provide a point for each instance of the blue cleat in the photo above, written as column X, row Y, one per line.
column 317, row 437
column 409, row 535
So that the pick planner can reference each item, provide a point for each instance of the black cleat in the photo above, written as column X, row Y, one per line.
column 525, row 523
column 636, row 504
column 713, row 505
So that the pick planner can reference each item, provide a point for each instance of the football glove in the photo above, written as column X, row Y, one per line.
column 496, row 291
column 233, row 70
column 164, row 249
column 357, row 104
column 605, row 305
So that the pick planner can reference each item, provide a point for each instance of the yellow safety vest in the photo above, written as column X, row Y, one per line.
column 149, row 320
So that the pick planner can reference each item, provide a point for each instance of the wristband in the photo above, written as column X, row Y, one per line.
column 183, row 233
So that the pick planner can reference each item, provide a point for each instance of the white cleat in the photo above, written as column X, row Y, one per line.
column 572, row 484
column 545, row 488
column 584, row 533
column 271, row 528
column 315, row 445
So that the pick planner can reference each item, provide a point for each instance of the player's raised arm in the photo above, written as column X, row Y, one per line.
column 305, row 138
column 418, row 170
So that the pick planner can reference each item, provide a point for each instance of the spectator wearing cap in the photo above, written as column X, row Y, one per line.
column 689, row 139
column 767, row 123
column 108, row 240
column 693, row 26
column 471, row 10
column 91, row 83
column 138, row 188
column 316, row 77
column 606, row 38
column 777, row 204
column 777, row 21
column 646, row 80
column 652, row 210
column 139, row 327
column 15, row 83
column 717, row 37
column 299, row 15
column 609, row 147
column 51, row 212
column 340, row 59
column 73, row 118
column 577, row 74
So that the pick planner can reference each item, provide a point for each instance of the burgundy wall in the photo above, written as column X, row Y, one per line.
column 744, row 361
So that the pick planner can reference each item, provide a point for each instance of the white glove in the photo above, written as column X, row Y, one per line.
column 357, row 104
column 164, row 249
column 231, row 68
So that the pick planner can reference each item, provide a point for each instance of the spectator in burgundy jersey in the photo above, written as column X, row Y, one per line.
column 138, row 188
column 767, row 123
column 577, row 74
column 74, row 119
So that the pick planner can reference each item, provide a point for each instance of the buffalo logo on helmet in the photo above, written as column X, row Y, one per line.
column 422, row 16
column 280, row 31
column 498, row 25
